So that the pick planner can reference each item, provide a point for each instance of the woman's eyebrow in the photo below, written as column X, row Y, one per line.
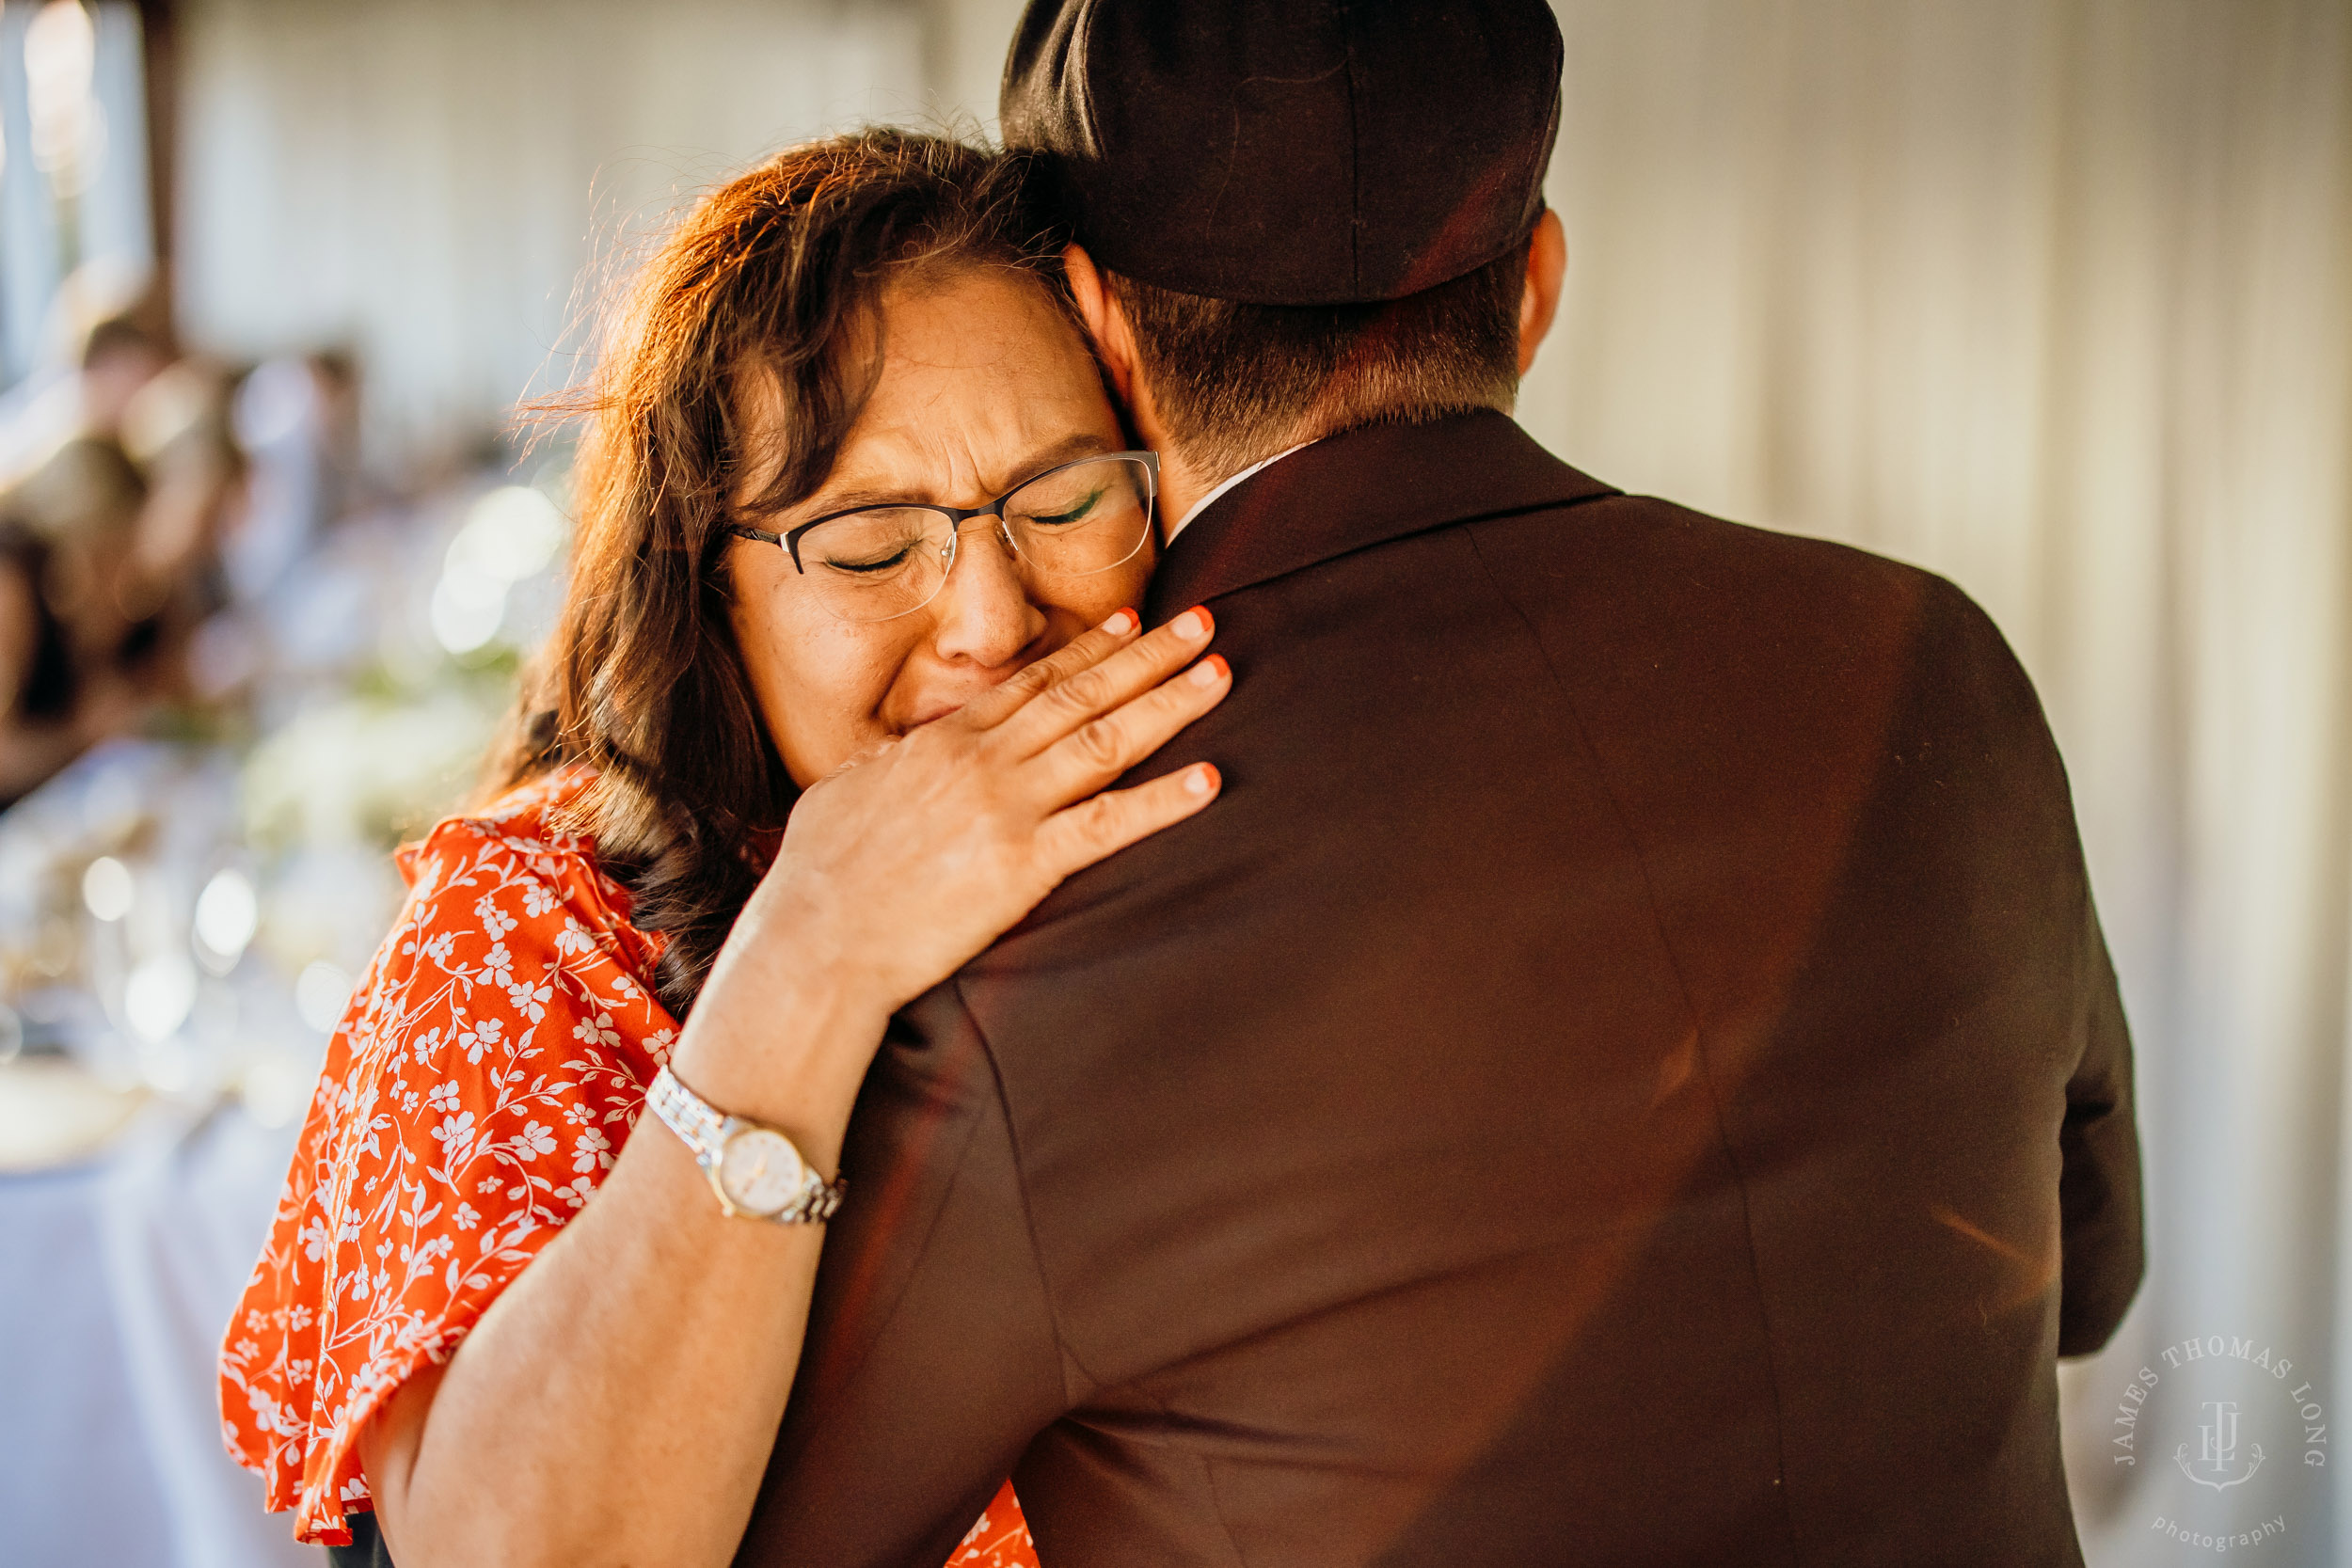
column 1068, row 448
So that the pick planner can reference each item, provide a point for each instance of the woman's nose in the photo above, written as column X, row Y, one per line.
column 982, row 612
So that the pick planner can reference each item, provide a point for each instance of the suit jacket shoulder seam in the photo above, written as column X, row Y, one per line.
column 1028, row 1214
column 1689, row 1007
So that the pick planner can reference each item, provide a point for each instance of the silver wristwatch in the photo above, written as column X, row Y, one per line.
column 756, row 1171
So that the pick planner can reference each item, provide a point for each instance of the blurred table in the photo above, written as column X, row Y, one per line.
column 118, row 1275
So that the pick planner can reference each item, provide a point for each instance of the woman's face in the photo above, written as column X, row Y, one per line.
column 984, row 384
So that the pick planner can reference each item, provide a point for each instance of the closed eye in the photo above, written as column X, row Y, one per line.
column 1067, row 516
column 873, row 563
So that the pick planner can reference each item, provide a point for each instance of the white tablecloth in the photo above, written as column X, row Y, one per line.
column 117, row 1277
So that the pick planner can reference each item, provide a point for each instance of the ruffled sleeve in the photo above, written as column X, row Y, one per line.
column 999, row 1539
column 491, row 1064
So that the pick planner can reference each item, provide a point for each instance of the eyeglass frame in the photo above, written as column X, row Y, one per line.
column 959, row 515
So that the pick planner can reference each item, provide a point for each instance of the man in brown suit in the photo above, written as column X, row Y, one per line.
column 1627, row 1073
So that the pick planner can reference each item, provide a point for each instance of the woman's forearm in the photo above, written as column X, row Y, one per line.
column 618, row 1401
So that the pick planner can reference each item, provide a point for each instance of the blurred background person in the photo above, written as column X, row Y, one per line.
column 84, row 497
column 38, row 690
column 176, row 431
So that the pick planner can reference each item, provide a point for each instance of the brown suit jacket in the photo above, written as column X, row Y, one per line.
column 1627, row 1072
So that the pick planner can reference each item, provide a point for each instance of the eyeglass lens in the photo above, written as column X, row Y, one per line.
column 887, row 562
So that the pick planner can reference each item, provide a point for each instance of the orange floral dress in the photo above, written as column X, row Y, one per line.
column 491, row 1064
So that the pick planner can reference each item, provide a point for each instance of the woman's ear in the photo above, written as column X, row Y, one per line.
column 1106, row 323
column 1539, row 301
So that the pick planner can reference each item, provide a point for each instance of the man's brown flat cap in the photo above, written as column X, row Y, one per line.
column 1290, row 152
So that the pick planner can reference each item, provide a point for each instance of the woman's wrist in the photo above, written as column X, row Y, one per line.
column 780, row 1035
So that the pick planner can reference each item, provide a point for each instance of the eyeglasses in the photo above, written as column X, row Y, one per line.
column 880, row 562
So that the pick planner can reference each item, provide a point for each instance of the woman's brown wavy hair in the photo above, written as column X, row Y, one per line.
column 778, row 270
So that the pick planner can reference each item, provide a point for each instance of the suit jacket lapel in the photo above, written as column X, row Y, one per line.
column 1360, row 488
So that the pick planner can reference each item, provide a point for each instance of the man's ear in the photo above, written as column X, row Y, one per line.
column 1547, row 266
column 1107, row 324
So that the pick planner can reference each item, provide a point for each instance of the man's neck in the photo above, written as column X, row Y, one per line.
column 1183, row 486
column 1185, row 479
column 1185, row 482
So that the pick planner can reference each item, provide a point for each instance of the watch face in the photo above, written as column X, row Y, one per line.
column 760, row 1171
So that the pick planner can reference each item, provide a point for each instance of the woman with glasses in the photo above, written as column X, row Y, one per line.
column 859, row 529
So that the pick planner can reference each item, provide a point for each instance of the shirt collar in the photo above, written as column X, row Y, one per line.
column 1201, row 505
column 1359, row 488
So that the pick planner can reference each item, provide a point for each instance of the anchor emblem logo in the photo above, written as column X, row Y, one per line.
column 2218, row 1450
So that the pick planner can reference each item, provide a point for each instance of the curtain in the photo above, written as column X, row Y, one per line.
column 2055, row 297
column 446, row 188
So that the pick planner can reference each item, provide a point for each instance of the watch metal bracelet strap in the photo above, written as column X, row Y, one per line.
column 756, row 1170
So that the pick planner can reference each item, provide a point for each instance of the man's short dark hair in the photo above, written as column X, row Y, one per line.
column 1236, row 383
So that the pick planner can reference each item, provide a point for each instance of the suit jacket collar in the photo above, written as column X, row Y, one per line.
column 1360, row 488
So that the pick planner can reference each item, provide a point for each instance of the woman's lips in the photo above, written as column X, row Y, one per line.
column 976, row 682
column 935, row 708
column 930, row 714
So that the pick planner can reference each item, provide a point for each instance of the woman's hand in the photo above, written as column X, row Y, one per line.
column 902, row 865
column 916, row 856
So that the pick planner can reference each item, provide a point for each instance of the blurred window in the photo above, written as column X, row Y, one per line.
column 76, row 224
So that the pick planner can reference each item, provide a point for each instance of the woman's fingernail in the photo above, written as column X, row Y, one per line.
column 1120, row 624
column 1211, row 670
column 1192, row 626
column 1200, row 780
